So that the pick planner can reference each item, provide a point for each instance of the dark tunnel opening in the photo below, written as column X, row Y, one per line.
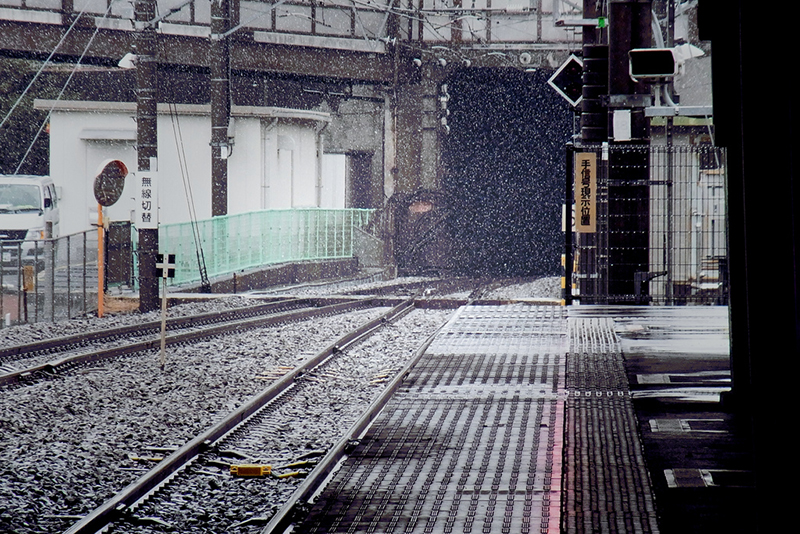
column 504, row 171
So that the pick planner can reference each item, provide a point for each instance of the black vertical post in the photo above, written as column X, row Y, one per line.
column 147, row 141
column 220, row 105
column 763, row 222
column 594, row 130
column 594, row 115
column 628, row 194
column 568, row 200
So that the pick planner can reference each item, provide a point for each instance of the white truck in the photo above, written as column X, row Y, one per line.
column 28, row 213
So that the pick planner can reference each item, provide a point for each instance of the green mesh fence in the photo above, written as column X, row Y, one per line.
column 236, row 242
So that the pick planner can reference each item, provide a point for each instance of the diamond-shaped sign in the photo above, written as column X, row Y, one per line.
column 568, row 80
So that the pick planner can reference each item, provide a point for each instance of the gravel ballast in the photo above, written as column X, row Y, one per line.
column 66, row 444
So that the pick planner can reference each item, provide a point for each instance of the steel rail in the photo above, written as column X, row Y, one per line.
column 115, row 507
column 173, row 323
column 54, row 367
column 284, row 518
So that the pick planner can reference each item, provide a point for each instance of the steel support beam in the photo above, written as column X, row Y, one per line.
column 29, row 39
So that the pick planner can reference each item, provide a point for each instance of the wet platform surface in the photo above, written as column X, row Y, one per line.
column 523, row 419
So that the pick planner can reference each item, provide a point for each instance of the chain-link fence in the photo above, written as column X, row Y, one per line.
column 56, row 279
column 659, row 233
column 48, row 279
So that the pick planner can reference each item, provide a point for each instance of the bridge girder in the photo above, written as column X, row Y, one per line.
column 311, row 56
column 28, row 39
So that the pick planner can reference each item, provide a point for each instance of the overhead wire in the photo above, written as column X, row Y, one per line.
column 258, row 15
column 388, row 8
column 187, row 185
column 44, row 123
column 41, row 69
column 418, row 15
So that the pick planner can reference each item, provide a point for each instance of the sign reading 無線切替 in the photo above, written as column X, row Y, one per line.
column 147, row 207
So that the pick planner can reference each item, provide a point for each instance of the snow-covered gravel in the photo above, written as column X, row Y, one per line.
column 540, row 288
column 65, row 443
column 28, row 333
column 320, row 409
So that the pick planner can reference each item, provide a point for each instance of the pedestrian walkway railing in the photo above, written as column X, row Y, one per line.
column 48, row 280
column 655, row 229
column 56, row 279
column 234, row 243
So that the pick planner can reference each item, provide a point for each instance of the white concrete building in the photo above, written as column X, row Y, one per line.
column 277, row 160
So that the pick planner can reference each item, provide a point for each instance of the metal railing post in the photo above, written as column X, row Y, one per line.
column 50, row 274
column 69, row 279
column 84, row 272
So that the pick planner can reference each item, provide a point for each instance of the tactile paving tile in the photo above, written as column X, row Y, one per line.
column 606, row 484
column 473, row 440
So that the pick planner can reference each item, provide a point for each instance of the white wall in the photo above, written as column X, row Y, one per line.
column 275, row 163
column 76, row 151
column 333, row 190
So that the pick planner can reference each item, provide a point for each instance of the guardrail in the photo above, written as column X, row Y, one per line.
column 57, row 279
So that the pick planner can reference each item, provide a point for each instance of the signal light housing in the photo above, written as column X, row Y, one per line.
column 652, row 63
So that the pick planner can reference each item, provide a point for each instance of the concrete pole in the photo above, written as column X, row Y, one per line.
column 147, row 141
column 430, row 149
column 219, row 62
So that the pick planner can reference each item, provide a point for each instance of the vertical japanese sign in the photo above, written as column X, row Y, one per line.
column 586, row 192
column 147, row 208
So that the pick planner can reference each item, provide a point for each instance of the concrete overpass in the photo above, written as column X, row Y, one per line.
column 362, row 40
column 404, row 48
column 391, row 56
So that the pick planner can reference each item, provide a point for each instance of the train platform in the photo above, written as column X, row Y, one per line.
column 547, row 419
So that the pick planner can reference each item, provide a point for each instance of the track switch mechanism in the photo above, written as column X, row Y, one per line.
column 251, row 470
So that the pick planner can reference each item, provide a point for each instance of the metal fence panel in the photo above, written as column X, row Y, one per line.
column 57, row 278
column 236, row 242
column 50, row 279
column 661, row 228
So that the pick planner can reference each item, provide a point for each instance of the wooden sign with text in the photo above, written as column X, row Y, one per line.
column 586, row 192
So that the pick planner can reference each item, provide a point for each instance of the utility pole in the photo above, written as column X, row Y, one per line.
column 594, row 131
column 220, row 105
column 628, row 194
column 147, row 141
column 594, row 115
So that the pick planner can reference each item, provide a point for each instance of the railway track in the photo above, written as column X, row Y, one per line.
column 203, row 466
column 71, row 443
column 21, row 361
column 45, row 358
